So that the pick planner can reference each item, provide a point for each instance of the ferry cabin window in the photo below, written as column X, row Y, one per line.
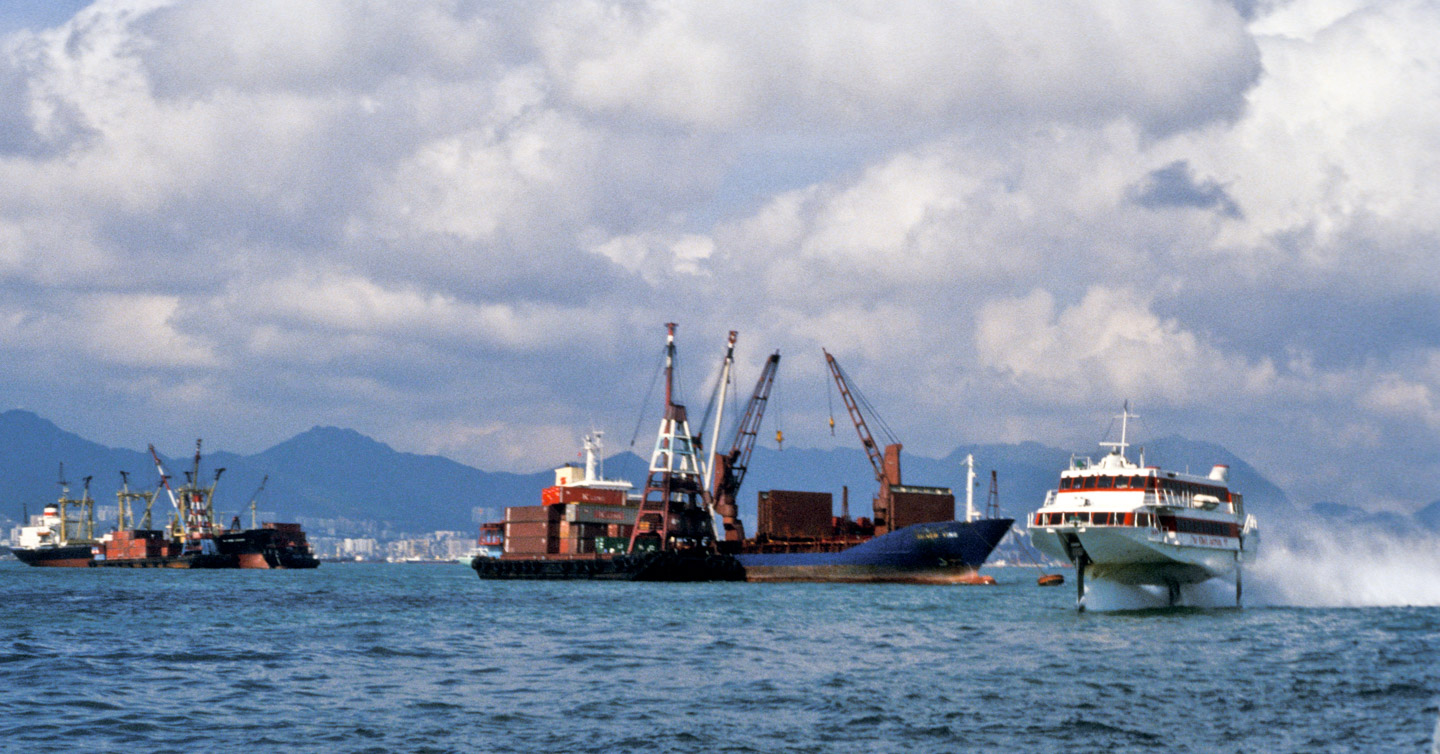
column 1089, row 482
column 1066, row 483
column 1122, row 482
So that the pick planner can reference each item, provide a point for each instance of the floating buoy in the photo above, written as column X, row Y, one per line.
column 977, row 579
column 1050, row 579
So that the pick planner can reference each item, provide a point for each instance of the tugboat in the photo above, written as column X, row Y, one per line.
column 1133, row 524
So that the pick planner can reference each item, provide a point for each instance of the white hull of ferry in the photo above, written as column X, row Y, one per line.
column 1146, row 556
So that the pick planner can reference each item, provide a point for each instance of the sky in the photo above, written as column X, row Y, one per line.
column 459, row 227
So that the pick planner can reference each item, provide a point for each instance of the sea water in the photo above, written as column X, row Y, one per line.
column 423, row 658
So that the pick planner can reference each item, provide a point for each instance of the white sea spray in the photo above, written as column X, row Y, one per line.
column 1351, row 568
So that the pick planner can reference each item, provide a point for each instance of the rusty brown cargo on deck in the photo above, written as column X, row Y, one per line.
column 920, row 505
column 530, row 530
column 531, row 513
column 787, row 514
column 530, row 545
column 577, row 545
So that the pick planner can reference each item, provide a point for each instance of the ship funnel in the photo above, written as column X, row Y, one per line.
column 1221, row 473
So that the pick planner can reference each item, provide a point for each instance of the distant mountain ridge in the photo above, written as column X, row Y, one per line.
column 335, row 473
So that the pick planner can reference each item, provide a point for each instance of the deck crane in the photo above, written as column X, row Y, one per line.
column 886, row 466
column 729, row 467
column 196, row 526
column 673, row 514
column 254, row 520
column 127, row 499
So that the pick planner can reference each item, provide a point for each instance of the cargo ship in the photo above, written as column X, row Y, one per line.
column 590, row 527
column 45, row 542
column 913, row 535
column 191, row 539
column 1140, row 525
column 63, row 534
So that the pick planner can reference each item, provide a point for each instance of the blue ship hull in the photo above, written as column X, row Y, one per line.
column 948, row 552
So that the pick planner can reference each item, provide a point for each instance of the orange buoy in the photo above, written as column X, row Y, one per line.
column 1050, row 579
column 976, row 579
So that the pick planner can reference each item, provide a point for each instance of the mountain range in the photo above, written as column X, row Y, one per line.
column 340, row 474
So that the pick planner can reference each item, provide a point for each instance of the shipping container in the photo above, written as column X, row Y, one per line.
column 577, row 545
column 530, row 529
column 587, row 495
column 920, row 506
column 585, row 513
column 788, row 514
column 529, row 545
column 529, row 513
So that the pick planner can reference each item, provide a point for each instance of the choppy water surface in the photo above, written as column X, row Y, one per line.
column 429, row 658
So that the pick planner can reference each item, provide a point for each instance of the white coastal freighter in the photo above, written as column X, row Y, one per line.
column 1134, row 524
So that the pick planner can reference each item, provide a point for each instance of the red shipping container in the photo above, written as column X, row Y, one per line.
column 587, row 495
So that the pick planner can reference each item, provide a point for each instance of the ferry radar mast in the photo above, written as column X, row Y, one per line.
column 1118, row 448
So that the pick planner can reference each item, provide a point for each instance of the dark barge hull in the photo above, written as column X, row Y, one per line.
column 67, row 556
column 264, row 548
column 194, row 560
column 653, row 566
column 949, row 552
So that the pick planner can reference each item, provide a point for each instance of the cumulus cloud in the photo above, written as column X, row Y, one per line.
column 456, row 220
column 1165, row 64
column 1107, row 347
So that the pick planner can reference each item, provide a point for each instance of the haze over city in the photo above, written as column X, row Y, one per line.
column 458, row 227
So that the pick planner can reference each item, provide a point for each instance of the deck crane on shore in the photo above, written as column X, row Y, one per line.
column 886, row 466
column 729, row 467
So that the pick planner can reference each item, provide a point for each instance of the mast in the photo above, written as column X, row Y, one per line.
column 1119, row 447
column 64, row 505
column 970, row 487
column 122, row 500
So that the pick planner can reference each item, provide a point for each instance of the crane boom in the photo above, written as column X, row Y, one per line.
column 749, row 428
column 871, row 450
column 730, row 467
